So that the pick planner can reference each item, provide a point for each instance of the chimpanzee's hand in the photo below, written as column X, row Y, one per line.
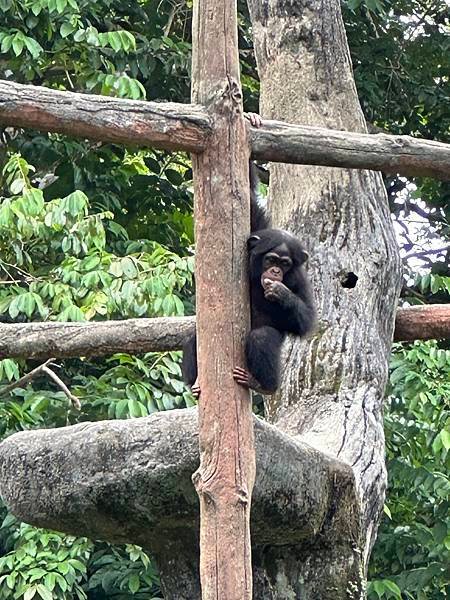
column 275, row 291
column 254, row 118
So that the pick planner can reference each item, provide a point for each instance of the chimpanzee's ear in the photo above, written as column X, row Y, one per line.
column 252, row 241
column 304, row 256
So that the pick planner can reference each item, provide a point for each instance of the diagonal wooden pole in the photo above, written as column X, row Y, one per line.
column 225, row 478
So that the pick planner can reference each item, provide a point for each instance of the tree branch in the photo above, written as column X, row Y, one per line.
column 422, row 253
column 425, row 322
column 66, row 340
column 25, row 379
column 158, row 124
column 44, row 368
column 187, row 127
column 281, row 142
column 103, row 338
column 74, row 400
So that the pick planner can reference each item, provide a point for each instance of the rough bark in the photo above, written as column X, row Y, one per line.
column 95, row 338
column 130, row 481
column 426, row 322
column 187, row 127
column 132, row 122
column 332, row 389
column 308, row 145
column 225, row 477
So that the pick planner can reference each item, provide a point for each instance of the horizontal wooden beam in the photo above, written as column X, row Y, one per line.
column 93, row 338
column 103, row 338
column 422, row 322
column 282, row 142
column 131, row 122
column 187, row 127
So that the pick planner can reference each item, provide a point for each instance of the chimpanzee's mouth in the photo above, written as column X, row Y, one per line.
column 268, row 277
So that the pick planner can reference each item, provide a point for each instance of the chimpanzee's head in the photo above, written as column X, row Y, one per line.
column 274, row 255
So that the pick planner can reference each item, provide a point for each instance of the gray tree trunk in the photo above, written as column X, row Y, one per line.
column 332, row 390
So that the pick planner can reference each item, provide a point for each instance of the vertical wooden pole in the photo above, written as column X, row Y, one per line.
column 225, row 478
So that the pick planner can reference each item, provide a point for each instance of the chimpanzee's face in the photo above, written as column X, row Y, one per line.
column 276, row 263
column 274, row 255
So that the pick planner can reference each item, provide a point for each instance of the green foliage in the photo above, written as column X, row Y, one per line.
column 71, row 275
column 42, row 565
column 50, row 566
column 57, row 266
column 121, row 572
column 95, row 45
column 412, row 554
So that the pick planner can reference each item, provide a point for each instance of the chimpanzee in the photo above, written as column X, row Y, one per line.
column 281, row 302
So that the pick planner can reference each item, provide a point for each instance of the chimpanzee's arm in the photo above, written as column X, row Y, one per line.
column 297, row 314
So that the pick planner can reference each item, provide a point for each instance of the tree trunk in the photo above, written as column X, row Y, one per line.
column 332, row 389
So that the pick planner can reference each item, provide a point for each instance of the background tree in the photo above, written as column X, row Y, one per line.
column 97, row 211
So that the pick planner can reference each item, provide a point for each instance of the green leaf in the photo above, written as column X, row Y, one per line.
column 92, row 36
column 31, row 592
column 437, row 444
column 393, row 587
column 79, row 36
column 134, row 89
column 33, row 47
column 134, row 583
column 115, row 269
column 61, row 5
column 50, row 581
column 134, row 408
column 17, row 45
column 76, row 203
column 28, row 304
column 44, row 592
column 17, row 186
column 66, row 29
column 7, row 43
column 439, row 532
column 445, row 437
column 114, row 40
column 128, row 267
column 14, row 308
column 77, row 565
column 174, row 177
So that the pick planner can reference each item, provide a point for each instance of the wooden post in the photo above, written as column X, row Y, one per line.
column 225, row 478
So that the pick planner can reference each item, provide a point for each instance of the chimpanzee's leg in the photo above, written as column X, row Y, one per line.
column 189, row 364
column 262, row 351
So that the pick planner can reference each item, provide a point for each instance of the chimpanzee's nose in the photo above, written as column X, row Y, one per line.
column 276, row 270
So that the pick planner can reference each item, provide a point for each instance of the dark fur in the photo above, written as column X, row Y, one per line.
column 290, row 311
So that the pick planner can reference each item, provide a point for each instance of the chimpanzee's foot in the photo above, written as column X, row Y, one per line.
column 195, row 389
column 246, row 379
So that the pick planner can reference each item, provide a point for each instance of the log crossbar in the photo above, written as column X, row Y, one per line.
column 103, row 338
column 175, row 126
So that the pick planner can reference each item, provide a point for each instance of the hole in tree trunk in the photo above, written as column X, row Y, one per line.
column 349, row 280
